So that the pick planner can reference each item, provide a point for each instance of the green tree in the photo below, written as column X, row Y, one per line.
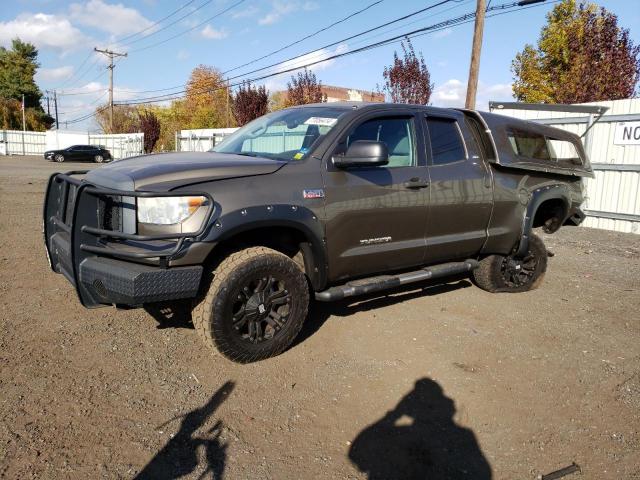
column 582, row 55
column 18, row 66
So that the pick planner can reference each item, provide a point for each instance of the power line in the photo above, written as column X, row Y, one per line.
column 324, row 29
column 404, row 17
column 72, row 76
column 296, row 42
column 460, row 20
column 72, row 94
column 430, row 29
column 184, row 32
column 162, row 20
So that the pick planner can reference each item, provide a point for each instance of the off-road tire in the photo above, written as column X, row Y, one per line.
column 58, row 157
column 98, row 159
column 213, row 314
column 489, row 275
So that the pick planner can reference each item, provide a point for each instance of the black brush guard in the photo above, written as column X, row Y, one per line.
column 106, row 265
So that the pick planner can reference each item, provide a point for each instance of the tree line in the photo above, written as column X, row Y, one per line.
column 582, row 55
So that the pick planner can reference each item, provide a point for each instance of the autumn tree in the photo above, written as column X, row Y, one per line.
column 250, row 102
column 408, row 80
column 18, row 66
column 277, row 101
column 304, row 88
column 149, row 125
column 207, row 102
column 125, row 119
column 582, row 55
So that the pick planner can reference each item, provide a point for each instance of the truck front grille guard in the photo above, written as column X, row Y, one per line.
column 81, row 188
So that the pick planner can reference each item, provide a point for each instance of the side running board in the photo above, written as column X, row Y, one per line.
column 385, row 282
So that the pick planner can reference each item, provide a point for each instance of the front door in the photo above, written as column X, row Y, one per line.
column 461, row 191
column 376, row 216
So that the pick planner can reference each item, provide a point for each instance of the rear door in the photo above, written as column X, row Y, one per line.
column 376, row 216
column 461, row 191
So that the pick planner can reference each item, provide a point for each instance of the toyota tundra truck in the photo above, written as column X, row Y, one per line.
column 322, row 201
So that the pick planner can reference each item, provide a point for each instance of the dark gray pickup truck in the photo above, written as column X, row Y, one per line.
column 328, row 200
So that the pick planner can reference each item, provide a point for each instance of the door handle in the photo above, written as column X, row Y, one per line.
column 416, row 183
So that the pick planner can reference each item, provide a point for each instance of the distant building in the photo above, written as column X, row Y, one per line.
column 341, row 94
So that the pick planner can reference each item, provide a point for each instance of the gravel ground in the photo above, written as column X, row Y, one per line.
column 445, row 379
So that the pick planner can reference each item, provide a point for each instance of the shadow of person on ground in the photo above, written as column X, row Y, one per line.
column 420, row 440
column 179, row 456
column 320, row 312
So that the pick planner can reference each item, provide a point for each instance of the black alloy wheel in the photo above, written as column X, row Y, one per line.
column 516, row 272
column 500, row 273
column 261, row 309
column 254, row 306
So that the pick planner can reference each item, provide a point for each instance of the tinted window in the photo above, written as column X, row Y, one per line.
column 289, row 134
column 563, row 151
column 396, row 133
column 528, row 144
column 446, row 142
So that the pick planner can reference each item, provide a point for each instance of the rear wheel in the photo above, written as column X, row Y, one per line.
column 98, row 158
column 499, row 273
column 59, row 157
column 255, row 306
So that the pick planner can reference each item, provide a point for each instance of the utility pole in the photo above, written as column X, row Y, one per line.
column 48, row 107
column 55, row 106
column 24, row 123
column 474, row 67
column 228, row 113
column 110, row 54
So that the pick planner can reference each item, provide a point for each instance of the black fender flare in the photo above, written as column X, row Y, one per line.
column 536, row 198
column 295, row 217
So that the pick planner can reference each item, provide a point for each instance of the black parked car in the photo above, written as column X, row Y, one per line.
column 79, row 153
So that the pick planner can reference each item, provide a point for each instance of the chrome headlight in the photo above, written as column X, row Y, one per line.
column 168, row 210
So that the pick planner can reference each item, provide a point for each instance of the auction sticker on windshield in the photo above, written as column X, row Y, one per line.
column 321, row 121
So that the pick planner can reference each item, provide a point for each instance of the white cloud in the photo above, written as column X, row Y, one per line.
column 452, row 93
column 212, row 33
column 54, row 74
column 316, row 56
column 281, row 8
column 183, row 55
column 112, row 18
column 249, row 11
column 44, row 31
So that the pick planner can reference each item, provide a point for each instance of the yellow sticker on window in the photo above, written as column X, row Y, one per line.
column 298, row 156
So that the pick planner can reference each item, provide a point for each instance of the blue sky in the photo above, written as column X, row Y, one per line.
column 66, row 32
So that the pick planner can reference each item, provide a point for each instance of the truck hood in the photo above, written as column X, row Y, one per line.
column 166, row 171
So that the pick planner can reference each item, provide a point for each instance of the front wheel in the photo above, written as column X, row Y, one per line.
column 98, row 158
column 499, row 273
column 59, row 158
column 255, row 306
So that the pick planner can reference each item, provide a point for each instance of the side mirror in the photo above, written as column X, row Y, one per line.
column 363, row 153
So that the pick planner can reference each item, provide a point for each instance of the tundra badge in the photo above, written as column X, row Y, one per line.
column 313, row 193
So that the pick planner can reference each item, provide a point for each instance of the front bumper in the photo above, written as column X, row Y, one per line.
column 113, row 281
column 106, row 265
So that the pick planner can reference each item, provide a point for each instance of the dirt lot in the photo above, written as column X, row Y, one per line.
column 445, row 379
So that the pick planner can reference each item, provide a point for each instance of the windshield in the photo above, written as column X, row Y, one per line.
column 284, row 135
